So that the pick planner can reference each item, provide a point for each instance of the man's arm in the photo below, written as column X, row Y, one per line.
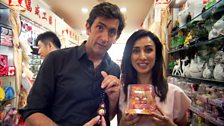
column 41, row 95
column 112, row 86
column 39, row 119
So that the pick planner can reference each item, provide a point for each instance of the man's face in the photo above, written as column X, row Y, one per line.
column 102, row 34
column 43, row 49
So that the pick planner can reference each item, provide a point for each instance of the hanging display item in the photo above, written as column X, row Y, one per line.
column 21, row 5
column 101, row 110
column 6, row 37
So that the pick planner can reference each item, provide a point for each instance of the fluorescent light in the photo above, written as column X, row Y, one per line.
column 177, row 1
column 42, row 10
column 83, row 32
column 84, row 10
column 123, row 9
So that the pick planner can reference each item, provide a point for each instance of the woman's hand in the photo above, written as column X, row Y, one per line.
column 129, row 120
column 96, row 120
column 161, row 119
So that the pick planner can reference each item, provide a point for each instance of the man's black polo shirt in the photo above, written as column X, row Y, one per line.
column 67, row 88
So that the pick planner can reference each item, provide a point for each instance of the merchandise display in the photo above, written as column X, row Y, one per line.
column 19, row 59
column 8, row 92
column 193, row 39
column 207, row 101
column 6, row 36
column 141, row 99
column 198, row 66
column 29, row 33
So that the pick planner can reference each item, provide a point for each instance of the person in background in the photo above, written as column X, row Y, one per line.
column 76, row 85
column 142, row 63
column 47, row 42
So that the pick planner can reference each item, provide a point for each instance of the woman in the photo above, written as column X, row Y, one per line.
column 142, row 63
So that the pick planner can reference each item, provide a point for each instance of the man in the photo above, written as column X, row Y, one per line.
column 73, row 84
column 47, row 42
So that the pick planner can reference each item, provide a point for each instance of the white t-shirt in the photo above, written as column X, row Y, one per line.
column 175, row 105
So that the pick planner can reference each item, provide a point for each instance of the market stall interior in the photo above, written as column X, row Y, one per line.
column 191, row 32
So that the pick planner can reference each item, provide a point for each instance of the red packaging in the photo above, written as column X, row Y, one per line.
column 3, row 65
column 141, row 99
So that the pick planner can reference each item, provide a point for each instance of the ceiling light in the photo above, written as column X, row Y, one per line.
column 42, row 10
column 123, row 9
column 177, row 1
column 83, row 32
column 84, row 10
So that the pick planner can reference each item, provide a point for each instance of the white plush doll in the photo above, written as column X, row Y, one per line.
column 217, row 29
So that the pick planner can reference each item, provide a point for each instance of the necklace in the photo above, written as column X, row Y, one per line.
column 102, row 109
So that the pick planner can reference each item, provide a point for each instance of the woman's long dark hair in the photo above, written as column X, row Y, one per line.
column 129, row 74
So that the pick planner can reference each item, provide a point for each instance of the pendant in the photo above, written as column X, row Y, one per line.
column 101, row 110
column 102, row 107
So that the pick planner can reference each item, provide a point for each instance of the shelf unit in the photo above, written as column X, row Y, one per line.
column 211, row 82
column 219, row 39
column 212, row 8
column 206, row 116
column 181, row 51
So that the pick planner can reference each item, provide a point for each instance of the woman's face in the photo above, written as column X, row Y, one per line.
column 143, row 55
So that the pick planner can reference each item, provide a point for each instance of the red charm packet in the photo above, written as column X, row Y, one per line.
column 141, row 99
column 3, row 65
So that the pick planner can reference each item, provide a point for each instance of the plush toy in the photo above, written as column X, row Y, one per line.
column 219, row 67
column 207, row 73
column 217, row 29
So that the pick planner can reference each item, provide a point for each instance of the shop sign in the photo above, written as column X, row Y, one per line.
column 162, row 1
column 50, row 19
column 44, row 15
column 21, row 5
column 37, row 11
column 67, row 32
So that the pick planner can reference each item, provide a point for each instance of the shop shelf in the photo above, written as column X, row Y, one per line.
column 178, row 49
column 193, row 19
column 8, row 76
column 219, row 102
column 6, row 26
column 206, row 116
column 203, row 99
column 211, row 82
column 198, row 112
column 199, row 43
column 4, row 102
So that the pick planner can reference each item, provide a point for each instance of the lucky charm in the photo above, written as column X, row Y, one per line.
column 101, row 110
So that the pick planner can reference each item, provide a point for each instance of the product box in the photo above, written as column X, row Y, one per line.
column 6, row 37
column 141, row 99
column 3, row 65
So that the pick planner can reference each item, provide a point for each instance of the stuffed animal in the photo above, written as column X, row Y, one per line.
column 217, row 29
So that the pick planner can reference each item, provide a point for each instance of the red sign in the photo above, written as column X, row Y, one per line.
column 50, row 20
column 37, row 11
column 20, row 5
column 162, row 1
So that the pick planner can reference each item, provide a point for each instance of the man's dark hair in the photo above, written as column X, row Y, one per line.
column 107, row 10
column 48, row 37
